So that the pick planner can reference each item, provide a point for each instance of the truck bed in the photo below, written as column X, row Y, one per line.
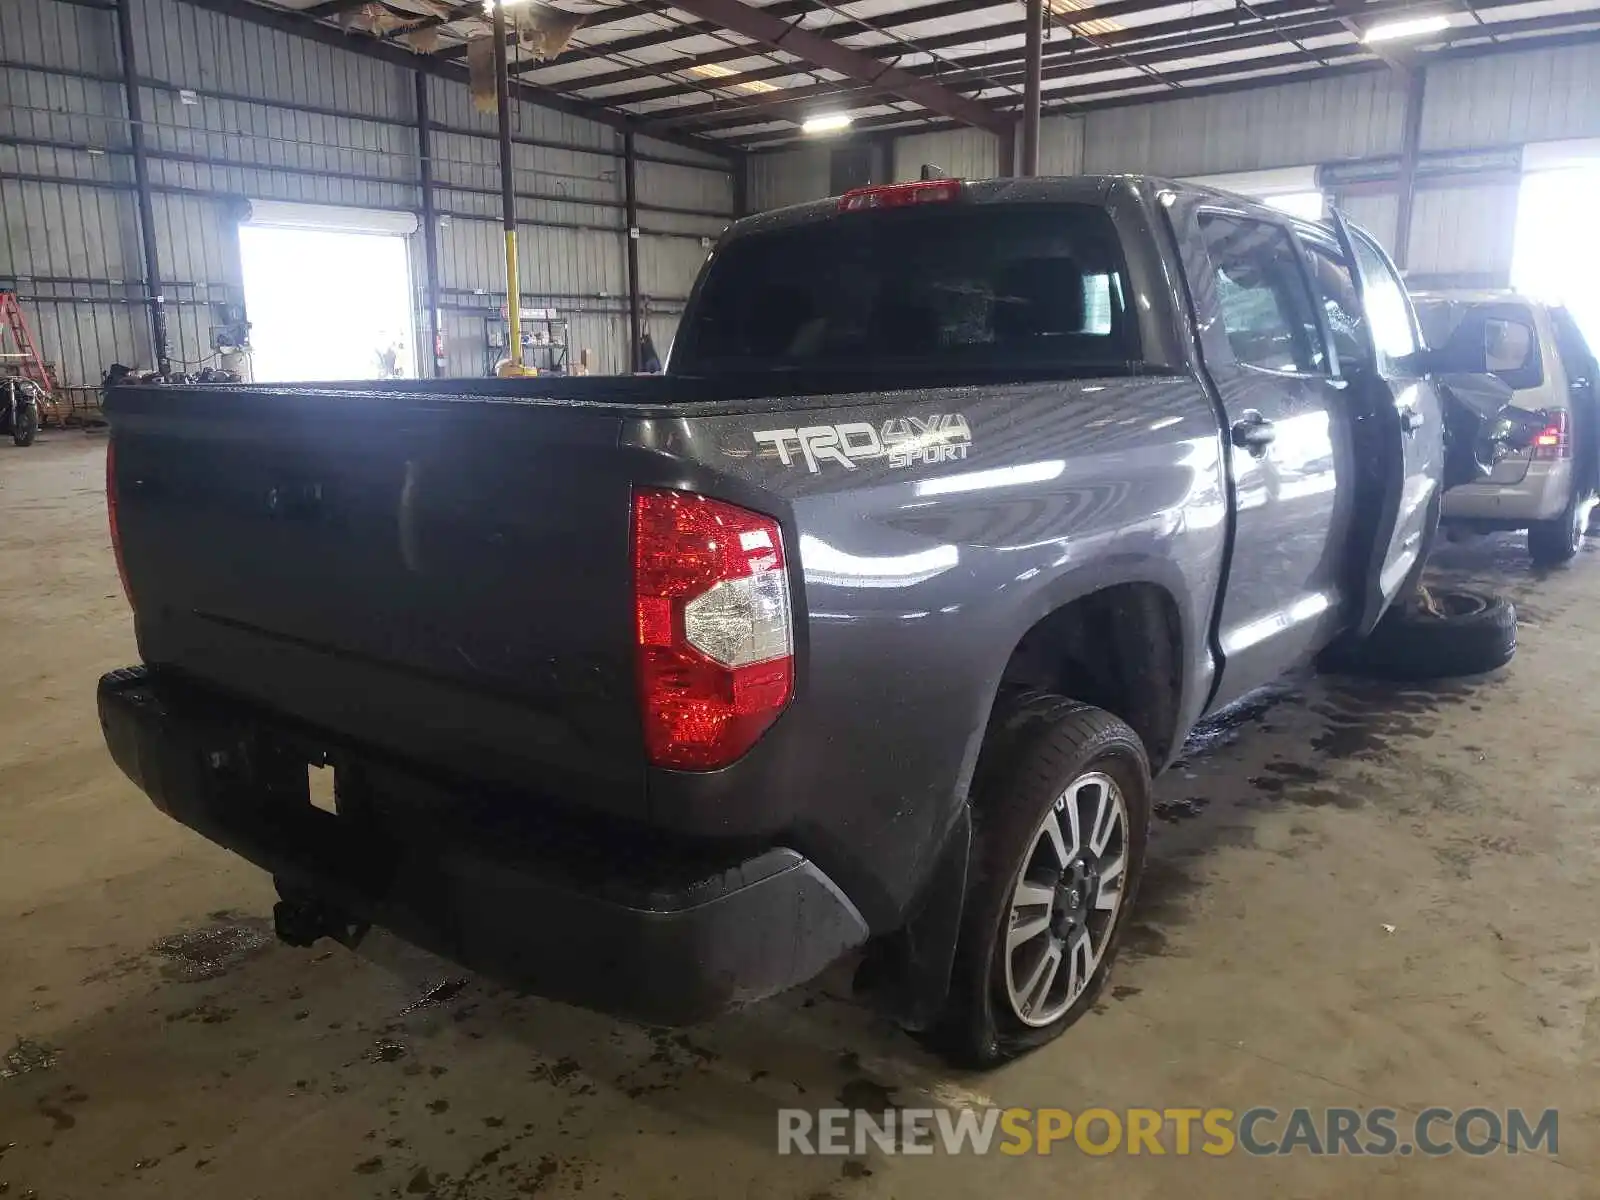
column 440, row 576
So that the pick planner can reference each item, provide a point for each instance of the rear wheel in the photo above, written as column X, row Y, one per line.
column 1557, row 541
column 1061, row 809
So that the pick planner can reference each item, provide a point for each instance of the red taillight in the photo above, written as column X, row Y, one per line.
column 713, row 627
column 111, row 516
column 901, row 195
column 1552, row 441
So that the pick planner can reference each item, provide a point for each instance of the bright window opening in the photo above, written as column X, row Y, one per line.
column 1557, row 255
column 1305, row 205
column 327, row 304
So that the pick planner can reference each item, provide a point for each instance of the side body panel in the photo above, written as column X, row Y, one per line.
column 950, row 523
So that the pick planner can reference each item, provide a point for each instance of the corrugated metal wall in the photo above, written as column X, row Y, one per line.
column 1510, row 99
column 55, row 233
column 1349, row 116
column 1376, row 212
column 964, row 153
column 789, row 177
column 1061, row 146
column 1464, row 234
column 1462, row 224
column 279, row 117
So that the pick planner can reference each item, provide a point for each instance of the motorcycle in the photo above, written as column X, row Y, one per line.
column 19, row 410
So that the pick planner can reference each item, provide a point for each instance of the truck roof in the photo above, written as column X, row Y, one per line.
column 1065, row 189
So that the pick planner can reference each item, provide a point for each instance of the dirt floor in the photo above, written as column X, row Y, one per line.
column 1359, row 896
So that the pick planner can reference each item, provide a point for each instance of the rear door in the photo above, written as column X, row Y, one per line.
column 1400, row 430
column 1291, row 460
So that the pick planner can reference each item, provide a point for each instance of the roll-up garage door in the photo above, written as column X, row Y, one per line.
column 330, row 218
column 328, row 291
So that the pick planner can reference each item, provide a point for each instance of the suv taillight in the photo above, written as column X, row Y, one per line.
column 1552, row 441
column 111, row 516
column 713, row 627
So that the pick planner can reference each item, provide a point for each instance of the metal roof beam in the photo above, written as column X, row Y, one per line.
column 908, row 16
column 364, row 44
column 1304, row 18
column 601, row 18
column 660, row 37
column 1348, row 11
column 773, row 31
column 1114, row 86
column 1572, row 34
column 784, row 9
column 1171, row 45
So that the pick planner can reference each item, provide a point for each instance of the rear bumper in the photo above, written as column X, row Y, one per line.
column 1540, row 495
column 623, row 924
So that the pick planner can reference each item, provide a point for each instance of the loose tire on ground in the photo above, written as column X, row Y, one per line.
column 1040, row 752
column 1476, row 633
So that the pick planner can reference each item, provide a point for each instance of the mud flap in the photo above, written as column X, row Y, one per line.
column 907, row 975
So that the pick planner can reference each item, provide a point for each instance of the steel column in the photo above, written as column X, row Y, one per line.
column 1008, row 154
column 508, row 195
column 741, row 186
column 1033, row 72
column 630, row 181
column 141, row 186
column 1410, row 145
column 430, row 224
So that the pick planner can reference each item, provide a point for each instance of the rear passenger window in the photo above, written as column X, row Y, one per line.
column 1262, row 292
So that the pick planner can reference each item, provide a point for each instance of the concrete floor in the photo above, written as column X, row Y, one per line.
column 160, row 1044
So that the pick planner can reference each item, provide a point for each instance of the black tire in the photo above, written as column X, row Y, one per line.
column 1476, row 633
column 25, row 426
column 1036, row 746
column 1557, row 541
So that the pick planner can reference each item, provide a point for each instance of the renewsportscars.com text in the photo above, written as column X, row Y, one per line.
column 1258, row 1131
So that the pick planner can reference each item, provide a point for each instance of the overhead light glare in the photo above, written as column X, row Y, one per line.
column 716, row 71
column 827, row 123
column 1412, row 27
column 1094, row 27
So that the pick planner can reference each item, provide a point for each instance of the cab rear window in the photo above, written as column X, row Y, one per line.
column 942, row 285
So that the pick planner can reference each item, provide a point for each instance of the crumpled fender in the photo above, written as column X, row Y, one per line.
column 1481, row 425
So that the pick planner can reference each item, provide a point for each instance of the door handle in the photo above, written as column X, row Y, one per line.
column 1254, row 433
column 1410, row 420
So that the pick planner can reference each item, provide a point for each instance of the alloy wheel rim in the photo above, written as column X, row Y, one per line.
column 1066, row 899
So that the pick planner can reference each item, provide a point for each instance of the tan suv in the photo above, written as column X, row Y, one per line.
column 1549, row 489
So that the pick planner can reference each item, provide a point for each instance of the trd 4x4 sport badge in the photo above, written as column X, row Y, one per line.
column 904, row 441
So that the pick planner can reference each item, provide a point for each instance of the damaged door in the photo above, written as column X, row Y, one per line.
column 1399, row 423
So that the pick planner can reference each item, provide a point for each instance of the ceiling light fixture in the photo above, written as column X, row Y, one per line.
column 1409, row 28
column 826, row 123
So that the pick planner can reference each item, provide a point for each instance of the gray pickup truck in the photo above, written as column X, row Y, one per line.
column 863, row 627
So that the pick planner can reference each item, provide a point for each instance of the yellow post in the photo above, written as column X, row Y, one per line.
column 508, row 204
column 513, row 305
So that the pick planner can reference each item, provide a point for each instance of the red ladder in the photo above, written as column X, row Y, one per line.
column 21, row 355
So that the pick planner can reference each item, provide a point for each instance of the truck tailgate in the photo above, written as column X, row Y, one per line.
column 443, row 578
